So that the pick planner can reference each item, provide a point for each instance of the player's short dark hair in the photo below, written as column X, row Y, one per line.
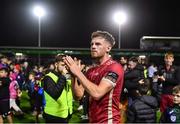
column 104, row 34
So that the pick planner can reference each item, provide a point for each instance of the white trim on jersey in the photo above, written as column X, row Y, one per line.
column 110, row 115
column 106, row 79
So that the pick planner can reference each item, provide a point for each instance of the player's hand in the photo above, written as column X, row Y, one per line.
column 73, row 65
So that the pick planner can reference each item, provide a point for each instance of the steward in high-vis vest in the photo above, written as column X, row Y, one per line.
column 58, row 94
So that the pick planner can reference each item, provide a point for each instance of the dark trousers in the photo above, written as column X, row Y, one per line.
column 53, row 119
column 85, row 104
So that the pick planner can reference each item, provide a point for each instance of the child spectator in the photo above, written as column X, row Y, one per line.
column 20, row 77
column 4, row 95
column 30, row 88
column 35, row 93
column 38, row 102
column 143, row 109
column 15, row 92
column 40, row 73
column 172, row 114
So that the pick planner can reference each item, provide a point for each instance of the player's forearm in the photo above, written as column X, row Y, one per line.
column 77, row 89
column 90, row 87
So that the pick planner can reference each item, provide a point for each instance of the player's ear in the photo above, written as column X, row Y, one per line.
column 109, row 49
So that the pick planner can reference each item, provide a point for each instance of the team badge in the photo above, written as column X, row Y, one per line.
column 173, row 118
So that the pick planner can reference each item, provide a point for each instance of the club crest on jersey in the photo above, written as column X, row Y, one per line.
column 173, row 118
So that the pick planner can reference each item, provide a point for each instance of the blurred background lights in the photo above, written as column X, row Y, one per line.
column 120, row 17
column 39, row 11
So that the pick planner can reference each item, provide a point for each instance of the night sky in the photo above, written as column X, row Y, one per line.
column 69, row 23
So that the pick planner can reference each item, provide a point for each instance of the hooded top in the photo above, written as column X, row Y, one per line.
column 143, row 109
column 13, row 86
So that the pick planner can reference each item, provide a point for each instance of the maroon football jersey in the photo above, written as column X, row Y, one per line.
column 106, row 110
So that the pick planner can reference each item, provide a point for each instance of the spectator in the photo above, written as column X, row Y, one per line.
column 30, row 88
column 152, row 69
column 40, row 73
column 156, row 88
column 14, row 93
column 172, row 114
column 123, row 61
column 4, row 61
column 26, row 69
column 58, row 94
column 20, row 77
column 132, row 77
column 169, row 76
column 38, row 100
column 4, row 95
column 143, row 108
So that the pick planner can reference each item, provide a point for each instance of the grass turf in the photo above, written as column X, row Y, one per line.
column 29, row 118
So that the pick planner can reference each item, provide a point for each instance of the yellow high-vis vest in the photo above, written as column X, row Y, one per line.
column 63, row 106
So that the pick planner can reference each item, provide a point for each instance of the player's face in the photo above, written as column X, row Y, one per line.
column 177, row 98
column 99, row 47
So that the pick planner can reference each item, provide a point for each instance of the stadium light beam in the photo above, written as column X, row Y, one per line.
column 120, row 18
column 39, row 12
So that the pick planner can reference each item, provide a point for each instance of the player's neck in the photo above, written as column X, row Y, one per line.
column 102, row 60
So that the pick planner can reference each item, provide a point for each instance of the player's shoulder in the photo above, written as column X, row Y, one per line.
column 114, row 65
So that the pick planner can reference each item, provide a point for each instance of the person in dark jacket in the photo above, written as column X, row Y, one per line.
column 169, row 77
column 156, row 88
column 143, row 109
column 132, row 77
column 4, row 95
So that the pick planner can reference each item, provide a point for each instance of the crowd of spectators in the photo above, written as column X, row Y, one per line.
column 147, row 88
